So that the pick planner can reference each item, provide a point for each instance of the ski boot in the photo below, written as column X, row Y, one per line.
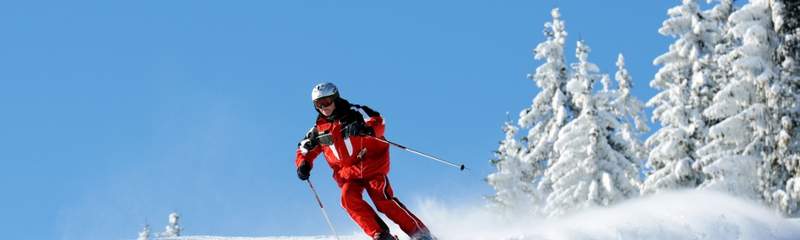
column 384, row 236
column 423, row 235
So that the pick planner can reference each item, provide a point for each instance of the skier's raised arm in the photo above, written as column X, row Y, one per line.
column 373, row 119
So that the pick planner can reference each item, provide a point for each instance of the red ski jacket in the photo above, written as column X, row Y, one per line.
column 350, row 157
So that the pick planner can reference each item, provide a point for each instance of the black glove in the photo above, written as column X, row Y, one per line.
column 310, row 141
column 304, row 171
column 357, row 129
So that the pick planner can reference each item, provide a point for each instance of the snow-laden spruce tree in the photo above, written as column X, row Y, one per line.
column 619, row 110
column 718, row 23
column 513, row 181
column 172, row 229
column 719, row 70
column 624, row 104
column 706, row 33
column 789, row 55
column 685, row 83
column 626, row 118
column 582, row 72
column 780, row 167
column 737, row 143
column 623, row 116
column 588, row 172
column 551, row 108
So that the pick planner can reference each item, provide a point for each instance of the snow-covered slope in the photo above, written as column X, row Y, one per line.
column 262, row 238
column 677, row 215
column 681, row 215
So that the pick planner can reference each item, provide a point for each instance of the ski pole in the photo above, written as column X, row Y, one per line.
column 459, row 166
column 322, row 208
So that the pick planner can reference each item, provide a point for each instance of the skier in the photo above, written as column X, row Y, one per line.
column 346, row 134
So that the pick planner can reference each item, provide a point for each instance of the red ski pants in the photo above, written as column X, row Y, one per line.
column 382, row 196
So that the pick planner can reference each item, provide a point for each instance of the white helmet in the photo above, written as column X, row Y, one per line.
column 323, row 90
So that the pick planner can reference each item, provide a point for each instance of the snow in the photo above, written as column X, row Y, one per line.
column 261, row 238
column 694, row 214
column 669, row 215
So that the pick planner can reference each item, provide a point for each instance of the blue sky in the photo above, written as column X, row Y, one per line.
column 117, row 113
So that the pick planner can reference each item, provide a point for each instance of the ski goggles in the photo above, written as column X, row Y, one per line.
column 323, row 102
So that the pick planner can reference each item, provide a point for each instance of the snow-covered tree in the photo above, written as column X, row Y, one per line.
column 789, row 55
column 623, row 116
column 708, row 36
column 738, row 141
column 513, row 181
column 617, row 108
column 145, row 233
column 779, row 172
column 624, row 122
column 172, row 229
column 718, row 22
column 685, row 86
column 584, row 72
column 626, row 117
column 589, row 171
column 551, row 108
